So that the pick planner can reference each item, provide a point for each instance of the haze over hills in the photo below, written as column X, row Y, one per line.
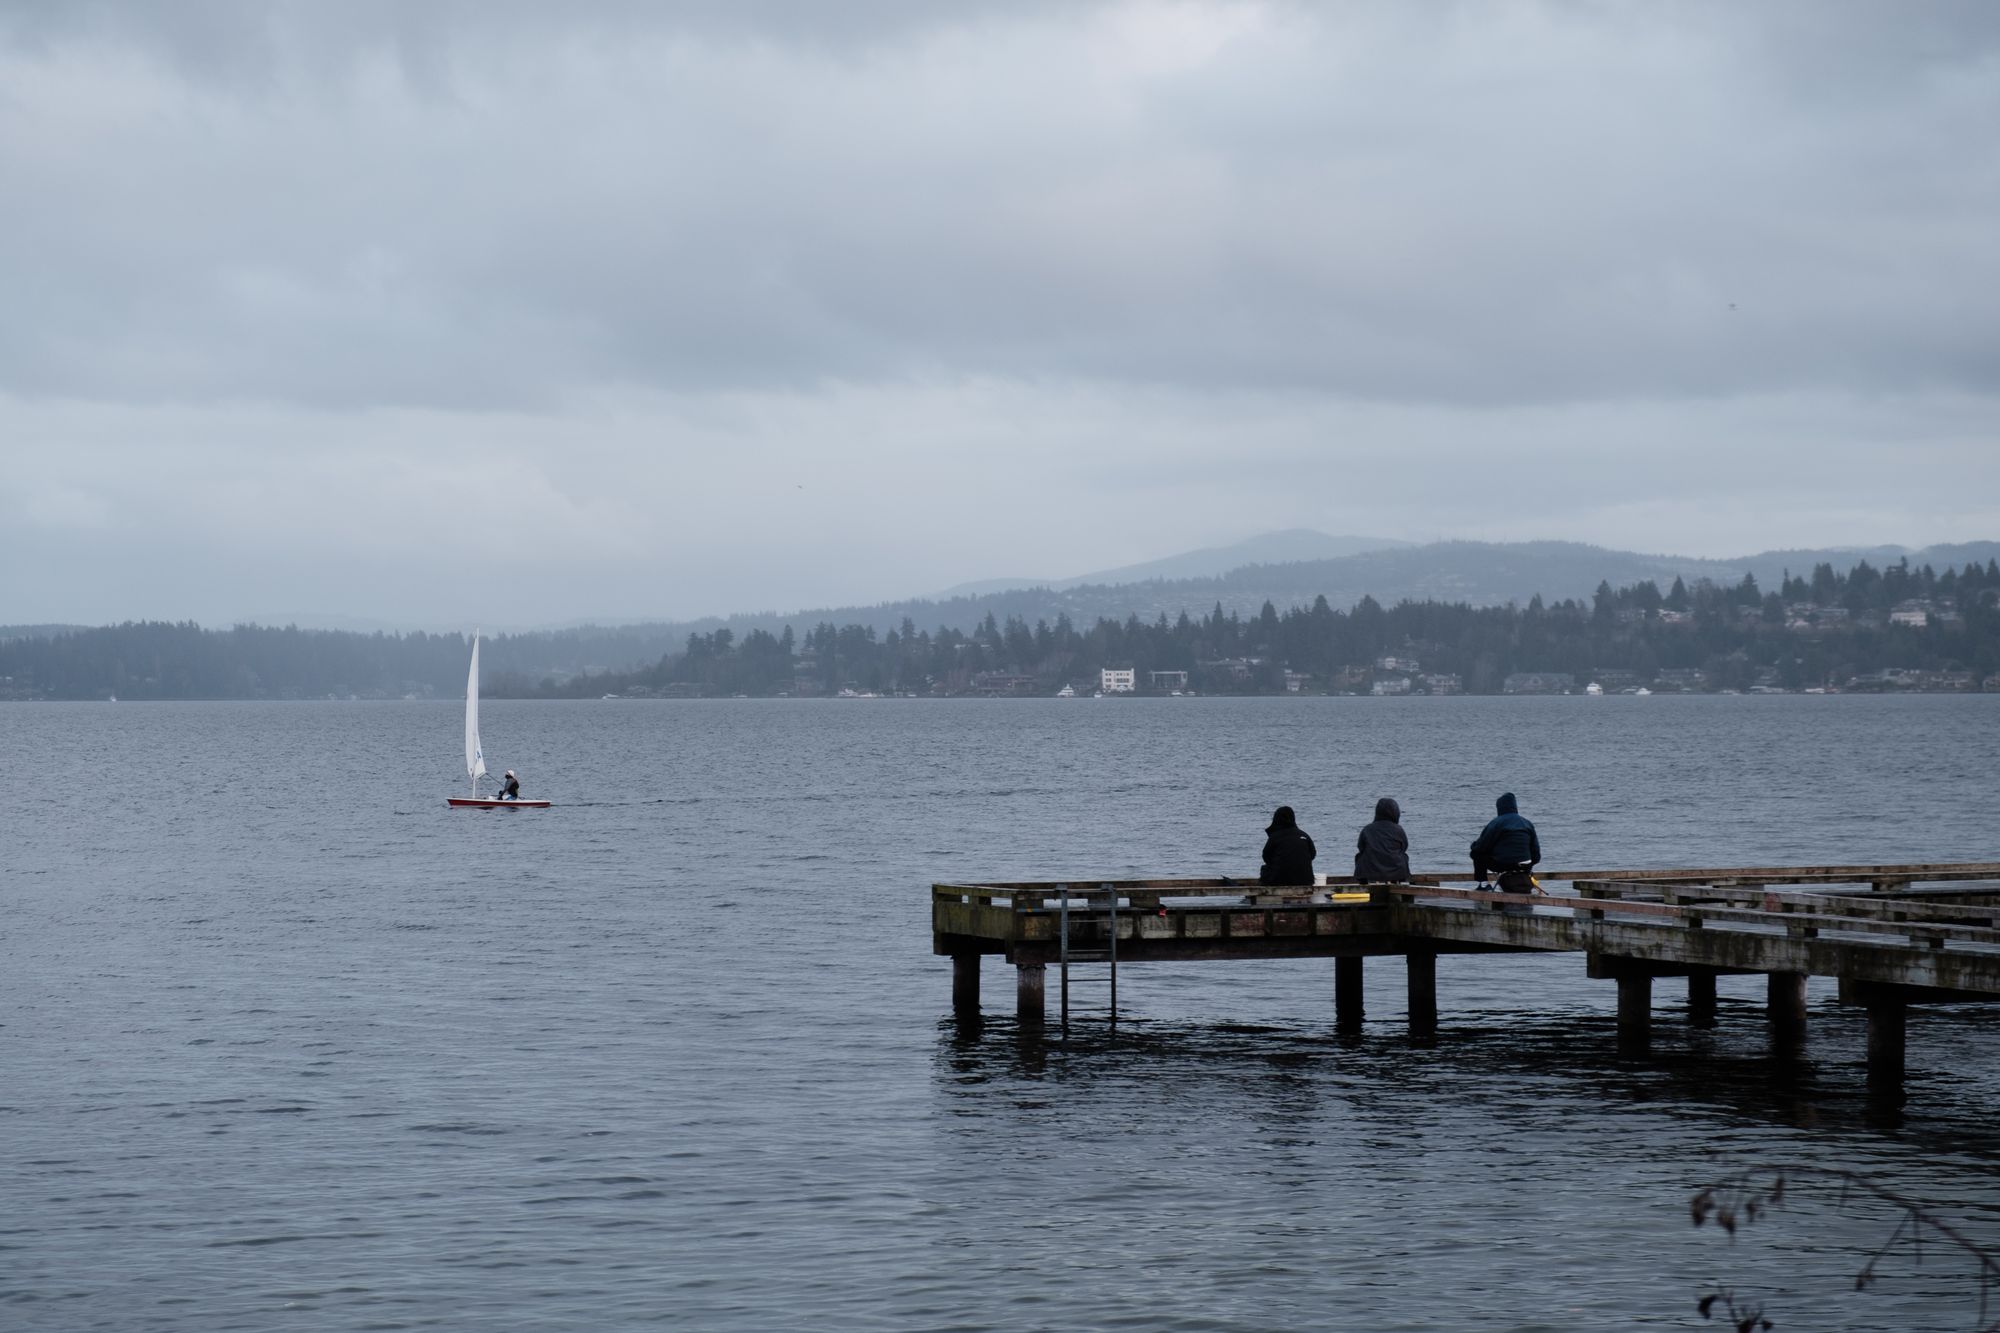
column 1477, row 573
column 36, row 631
column 1271, row 548
column 1842, row 624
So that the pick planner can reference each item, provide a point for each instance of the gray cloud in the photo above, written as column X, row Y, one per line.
column 397, row 204
column 680, row 505
column 292, row 272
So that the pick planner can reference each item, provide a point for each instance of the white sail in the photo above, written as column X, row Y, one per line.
column 475, row 758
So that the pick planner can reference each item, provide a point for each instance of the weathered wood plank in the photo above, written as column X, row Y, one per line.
column 1923, row 871
column 1792, row 915
column 1893, row 909
column 1733, row 949
column 950, row 918
column 1918, row 872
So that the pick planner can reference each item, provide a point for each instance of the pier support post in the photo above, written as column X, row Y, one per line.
column 1029, row 991
column 1788, row 1005
column 1701, row 999
column 1347, row 994
column 965, row 984
column 1423, row 995
column 1885, row 1044
column 1635, row 1008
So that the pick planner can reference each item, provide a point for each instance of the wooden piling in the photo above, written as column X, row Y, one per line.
column 1635, row 1007
column 1029, row 991
column 1787, row 1005
column 1701, row 999
column 1347, row 994
column 965, row 984
column 1885, row 1043
column 1423, row 994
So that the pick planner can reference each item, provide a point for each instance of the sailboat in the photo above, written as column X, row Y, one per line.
column 475, row 757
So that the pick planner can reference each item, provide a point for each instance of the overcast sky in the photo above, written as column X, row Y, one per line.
column 516, row 314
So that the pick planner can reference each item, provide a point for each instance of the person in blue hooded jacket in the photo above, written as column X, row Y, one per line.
column 1506, row 847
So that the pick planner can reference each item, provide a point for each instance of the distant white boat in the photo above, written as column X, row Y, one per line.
column 1066, row 692
column 1593, row 688
column 1642, row 690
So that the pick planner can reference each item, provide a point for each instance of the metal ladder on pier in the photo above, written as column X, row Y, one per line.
column 1107, row 954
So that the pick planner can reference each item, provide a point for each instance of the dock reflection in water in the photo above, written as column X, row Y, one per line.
column 1514, row 1174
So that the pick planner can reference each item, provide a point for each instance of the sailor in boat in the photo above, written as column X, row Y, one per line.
column 510, row 790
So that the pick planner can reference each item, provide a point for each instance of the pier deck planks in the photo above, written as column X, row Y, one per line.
column 1771, row 919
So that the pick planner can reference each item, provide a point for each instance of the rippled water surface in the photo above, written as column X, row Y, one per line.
column 285, row 1043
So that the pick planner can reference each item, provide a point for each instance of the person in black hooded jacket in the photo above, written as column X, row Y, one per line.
column 1288, row 851
column 1382, row 853
column 1507, row 846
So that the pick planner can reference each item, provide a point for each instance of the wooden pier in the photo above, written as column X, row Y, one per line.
column 1894, row 935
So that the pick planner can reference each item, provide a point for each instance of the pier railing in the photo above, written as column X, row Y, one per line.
column 1797, row 901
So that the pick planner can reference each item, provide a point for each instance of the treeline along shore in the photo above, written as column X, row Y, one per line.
column 1889, row 629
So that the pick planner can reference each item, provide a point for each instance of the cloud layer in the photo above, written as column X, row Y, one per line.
column 784, row 299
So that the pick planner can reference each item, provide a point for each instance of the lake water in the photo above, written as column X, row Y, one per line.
column 284, row 1043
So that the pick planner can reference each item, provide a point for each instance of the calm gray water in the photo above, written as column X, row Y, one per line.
column 286, row 1044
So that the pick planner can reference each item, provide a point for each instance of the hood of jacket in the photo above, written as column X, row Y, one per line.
column 1386, row 808
column 1506, row 804
column 1282, row 818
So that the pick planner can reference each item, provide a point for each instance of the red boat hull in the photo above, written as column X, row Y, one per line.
column 488, row 803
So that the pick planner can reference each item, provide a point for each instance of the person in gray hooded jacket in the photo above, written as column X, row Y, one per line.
column 1382, row 854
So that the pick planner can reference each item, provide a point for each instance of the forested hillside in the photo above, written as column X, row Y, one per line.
column 1829, row 629
column 1897, row 627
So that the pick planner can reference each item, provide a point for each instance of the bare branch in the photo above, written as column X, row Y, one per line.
column 1755, row 1190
